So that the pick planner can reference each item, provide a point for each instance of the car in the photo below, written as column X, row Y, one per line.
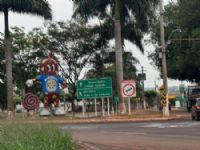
column 195, row 111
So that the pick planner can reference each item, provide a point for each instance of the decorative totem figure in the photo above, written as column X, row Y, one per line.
column 50, row 83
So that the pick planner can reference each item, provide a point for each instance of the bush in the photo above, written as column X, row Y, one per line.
column 34, row 137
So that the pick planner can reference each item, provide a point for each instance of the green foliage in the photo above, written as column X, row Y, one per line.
column 104, row 66
column 34, row 137
column 72, row 43
column 3, row 103
column 2, row 76
column 126, row 10
column 103, row 60
column 182, row 55
column 151, row 97
column 36, row 7
column 75, row 44
column 27, row 55
column 17, row 100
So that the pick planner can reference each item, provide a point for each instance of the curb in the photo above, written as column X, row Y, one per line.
column 100, row 120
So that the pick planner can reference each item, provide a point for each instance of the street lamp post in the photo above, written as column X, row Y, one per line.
column 164, row 64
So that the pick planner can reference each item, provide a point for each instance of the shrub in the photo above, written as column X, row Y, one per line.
column 34, row 137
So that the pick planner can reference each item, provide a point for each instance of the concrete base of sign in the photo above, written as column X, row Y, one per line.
column 45, row 112
column 10, row 115
column 177, row 104
column 122, row 108
column 59, row 111
column 55, row 111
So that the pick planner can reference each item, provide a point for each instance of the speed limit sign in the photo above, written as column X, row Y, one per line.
column 128, row 88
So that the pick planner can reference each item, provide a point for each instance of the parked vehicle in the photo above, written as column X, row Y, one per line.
column 193, row 92
column 195, row 111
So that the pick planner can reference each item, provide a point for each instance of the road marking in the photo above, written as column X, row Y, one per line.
column 75, row 127
column 127, row 132
column 87, row 145
column 171, row 125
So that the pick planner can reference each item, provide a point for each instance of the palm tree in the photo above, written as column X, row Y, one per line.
column 35, row 7
column 133, row 17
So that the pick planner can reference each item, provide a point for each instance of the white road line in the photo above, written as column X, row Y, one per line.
column 174, row 125
column 126, row 132
column 87, row 146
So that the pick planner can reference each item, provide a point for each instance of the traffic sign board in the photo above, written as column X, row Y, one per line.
column 164, row 97
column 164, row 103
column 142, row 76
column 128, row 88
column 94, row 88
column 161, row 89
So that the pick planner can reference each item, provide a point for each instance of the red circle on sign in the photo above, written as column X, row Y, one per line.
column 131, row 94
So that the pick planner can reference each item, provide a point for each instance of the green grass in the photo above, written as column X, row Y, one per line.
column 34, row 137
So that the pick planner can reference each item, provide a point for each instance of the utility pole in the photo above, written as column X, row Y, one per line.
column 155, row 85
column 165, row 101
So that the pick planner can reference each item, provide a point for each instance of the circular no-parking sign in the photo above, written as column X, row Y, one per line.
column 128, row 88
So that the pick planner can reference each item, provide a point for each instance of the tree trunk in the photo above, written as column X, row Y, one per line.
column 73, row 103
column 118, row 56
column 8, row 57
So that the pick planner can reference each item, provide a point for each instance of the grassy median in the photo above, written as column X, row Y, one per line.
column 34, row 137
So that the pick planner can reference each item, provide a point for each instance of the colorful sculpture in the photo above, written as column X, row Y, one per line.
column 50, row 84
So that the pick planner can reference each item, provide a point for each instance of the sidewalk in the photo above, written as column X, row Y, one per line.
column 136, row 116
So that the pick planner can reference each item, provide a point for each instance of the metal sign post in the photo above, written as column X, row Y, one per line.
column 83, row 108
column 103, row 111
column 95, row 105
column 108, row 103
column 129, row 106
column 116, row 101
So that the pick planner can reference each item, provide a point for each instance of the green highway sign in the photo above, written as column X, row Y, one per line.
column 94, row 88
column 142, row 76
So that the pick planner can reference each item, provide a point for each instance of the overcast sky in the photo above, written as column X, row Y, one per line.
column 62, row 11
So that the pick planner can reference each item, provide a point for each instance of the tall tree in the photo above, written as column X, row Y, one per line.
column 137, row 15
column 74, row 44
column 104, row 66
column 35, row 7
column 2, row 76
column 182, row 47
column 27, row 55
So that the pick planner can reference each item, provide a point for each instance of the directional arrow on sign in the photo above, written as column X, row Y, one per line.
column 164, row 103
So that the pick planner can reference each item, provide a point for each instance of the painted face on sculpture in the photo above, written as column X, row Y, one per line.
column 48, row 66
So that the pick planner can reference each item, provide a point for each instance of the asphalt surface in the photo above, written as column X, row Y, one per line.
column 154, row 135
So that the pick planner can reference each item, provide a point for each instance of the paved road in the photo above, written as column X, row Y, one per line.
column 165, row 135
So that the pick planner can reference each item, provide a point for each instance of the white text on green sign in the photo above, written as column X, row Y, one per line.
column 94, row 88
